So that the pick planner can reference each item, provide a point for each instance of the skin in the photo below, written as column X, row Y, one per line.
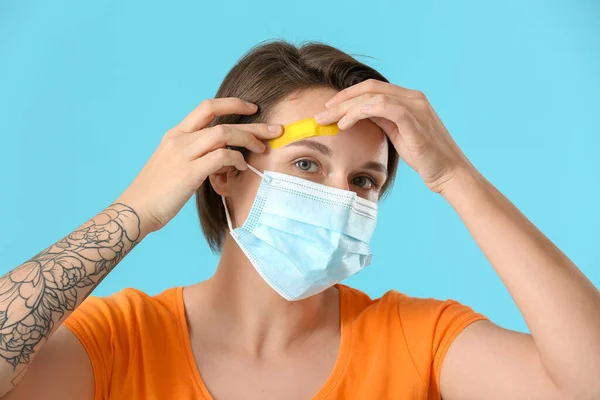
column 269, row 340
column 561, row 307
column 268, row 336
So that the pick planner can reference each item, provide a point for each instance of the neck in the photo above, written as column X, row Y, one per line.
column 257, row 317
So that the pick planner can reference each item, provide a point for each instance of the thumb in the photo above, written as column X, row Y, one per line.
column 388, row 127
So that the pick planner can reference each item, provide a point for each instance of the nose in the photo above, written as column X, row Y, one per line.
column 338, row 181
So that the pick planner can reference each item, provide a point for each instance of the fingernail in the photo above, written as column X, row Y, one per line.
column 322, row 115
column 274, row 128
column 251, row 105
column 366, row 106
column 327, row 103
column 342, row 123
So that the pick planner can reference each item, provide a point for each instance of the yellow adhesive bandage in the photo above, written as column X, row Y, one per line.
column 301, row 130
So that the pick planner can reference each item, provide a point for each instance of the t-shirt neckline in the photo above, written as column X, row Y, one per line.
column 332, row 380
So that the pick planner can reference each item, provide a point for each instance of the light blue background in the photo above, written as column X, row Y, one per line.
column 87, row 90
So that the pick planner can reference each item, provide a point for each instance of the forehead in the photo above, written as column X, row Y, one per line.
column 365, row 140
column 300, row 105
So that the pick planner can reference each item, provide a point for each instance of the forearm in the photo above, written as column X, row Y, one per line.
column 38, row 295
column 559, row 304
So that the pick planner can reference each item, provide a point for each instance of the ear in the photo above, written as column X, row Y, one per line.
column 223, row 180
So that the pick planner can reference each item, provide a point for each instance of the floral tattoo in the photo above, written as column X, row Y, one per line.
column 36, row 294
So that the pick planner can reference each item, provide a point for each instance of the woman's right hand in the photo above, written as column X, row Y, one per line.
column 188, row 154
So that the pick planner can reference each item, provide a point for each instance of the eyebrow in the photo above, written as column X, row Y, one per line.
column 320, row 147
column 326, row 150
column 376, row 166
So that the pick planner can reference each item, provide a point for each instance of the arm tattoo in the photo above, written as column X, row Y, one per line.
column 39, row 292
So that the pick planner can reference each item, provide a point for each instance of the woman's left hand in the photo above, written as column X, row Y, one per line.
column 410, row 122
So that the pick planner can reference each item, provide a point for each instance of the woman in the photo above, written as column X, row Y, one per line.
column 273, row 322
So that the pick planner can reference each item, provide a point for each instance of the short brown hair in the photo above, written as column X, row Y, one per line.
column 266, row 75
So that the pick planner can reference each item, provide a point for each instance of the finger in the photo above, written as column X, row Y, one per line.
column 386, row 125
column 402, row 117
column 337, row 111
column 262, row 131
column 221, row 136
column 224, row 135
column 371, row 86
column 206, row 111
column 223, row 170
column 216, row 160
column 391, row 110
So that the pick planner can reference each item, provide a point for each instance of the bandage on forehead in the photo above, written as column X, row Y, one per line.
column 301, row 130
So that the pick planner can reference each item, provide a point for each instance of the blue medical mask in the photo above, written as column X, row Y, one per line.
column 303, row 237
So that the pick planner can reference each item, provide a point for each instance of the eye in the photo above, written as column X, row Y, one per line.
column 363, row 182
column 306, row 165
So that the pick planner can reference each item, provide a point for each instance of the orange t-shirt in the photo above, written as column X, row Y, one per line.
column 391, row 347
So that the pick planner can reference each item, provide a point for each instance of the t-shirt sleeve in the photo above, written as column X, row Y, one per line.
column 430, row 326
column 97, row 323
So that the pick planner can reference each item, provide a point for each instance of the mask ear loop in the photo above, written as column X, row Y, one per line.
column 229, row 224
column 227, row 215
column 257, row 172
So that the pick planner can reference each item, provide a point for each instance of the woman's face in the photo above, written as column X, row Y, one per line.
column 355, row 159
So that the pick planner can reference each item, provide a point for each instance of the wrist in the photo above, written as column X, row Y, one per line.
column 140, row 217
column 466, row 183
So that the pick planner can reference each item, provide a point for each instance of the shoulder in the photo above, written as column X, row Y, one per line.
column 414, row 328
column 125, row 311
column 409, row 309
column 133, row 300
column 115, row 330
